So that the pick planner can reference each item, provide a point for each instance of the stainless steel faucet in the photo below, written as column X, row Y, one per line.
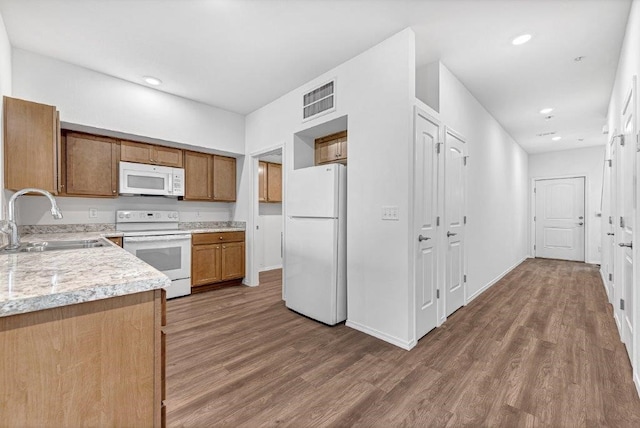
column 12, row 228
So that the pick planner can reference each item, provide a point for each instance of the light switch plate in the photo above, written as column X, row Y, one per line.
column 390, row 212
column 93, row 213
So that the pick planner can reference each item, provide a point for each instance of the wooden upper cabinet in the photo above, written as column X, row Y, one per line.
column 331, row 149
column 262, row 182
column 31, row 145
column 224, row 178
column 151, row 154
column 198, row 176
column 274, row 182
column 91, row 165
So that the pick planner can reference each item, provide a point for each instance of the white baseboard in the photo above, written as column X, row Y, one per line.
column 266, row 268
column 496, row 279
column 408, row 345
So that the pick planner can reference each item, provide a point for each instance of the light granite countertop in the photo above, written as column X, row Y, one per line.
column 35, row 281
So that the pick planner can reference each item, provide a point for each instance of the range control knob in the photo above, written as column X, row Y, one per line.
column 127, row 215
column 120, row 215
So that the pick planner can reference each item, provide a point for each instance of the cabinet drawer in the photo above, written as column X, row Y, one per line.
column 212, row 238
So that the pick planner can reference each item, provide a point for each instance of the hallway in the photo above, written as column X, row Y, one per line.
column 539, row 348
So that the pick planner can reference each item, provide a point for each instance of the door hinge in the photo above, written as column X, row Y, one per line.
column 465, row 278
column 535, row 190
column 610, row 220
column 534, row 247
column 637, row 142
column 621, row 221
column 621, row 139
column 609, row 161
column 534, row 218
column 464, row 160
column 437, row 221
column 622, row 304
column 465, row 220
column 610, row 277
column 437, row 294
column 438, row 145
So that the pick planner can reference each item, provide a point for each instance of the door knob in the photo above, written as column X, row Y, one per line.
column 580, row 224
column 451, row 234
column 423, row 238
column 580, row 218
column 629, row 245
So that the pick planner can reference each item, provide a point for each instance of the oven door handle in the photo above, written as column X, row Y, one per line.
column 156, row 238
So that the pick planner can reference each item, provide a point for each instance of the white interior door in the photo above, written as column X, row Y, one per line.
column 626, row 220
column 560, row 218
column 455, row 188
column 426, row 209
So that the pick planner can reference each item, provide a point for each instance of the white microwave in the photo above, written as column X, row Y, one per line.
column 142, row 179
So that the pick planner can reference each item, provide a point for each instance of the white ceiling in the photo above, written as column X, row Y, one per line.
column 242, row 54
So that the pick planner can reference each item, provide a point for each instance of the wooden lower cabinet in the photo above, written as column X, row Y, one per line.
column 116, row 240
column 217, row 257
column 89, row 364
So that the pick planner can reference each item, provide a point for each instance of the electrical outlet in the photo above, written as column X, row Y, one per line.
column 390, row 212
column 93, row 213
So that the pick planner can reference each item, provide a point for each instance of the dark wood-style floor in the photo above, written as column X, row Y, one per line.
column 539, row 348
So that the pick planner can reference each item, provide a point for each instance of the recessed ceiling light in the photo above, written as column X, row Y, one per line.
column 556, row 138
column 546, row 110
column 521, row 40
column 549, row 117
column 152, row 80
column 578, row 58
column 545, row 134
column 580, row 139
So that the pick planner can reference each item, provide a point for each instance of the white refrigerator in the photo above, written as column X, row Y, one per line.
column 315, row 280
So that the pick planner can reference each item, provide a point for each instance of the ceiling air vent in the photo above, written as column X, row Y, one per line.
column 320, row 100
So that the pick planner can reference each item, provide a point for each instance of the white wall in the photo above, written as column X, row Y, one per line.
column 90, row 100
column 93, row 99
column 497, row 198
column 586, row 162
column 376, row 90
column 269, row 254
column 5, row 89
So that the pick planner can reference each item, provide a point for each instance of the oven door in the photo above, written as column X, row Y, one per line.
column 170, row 254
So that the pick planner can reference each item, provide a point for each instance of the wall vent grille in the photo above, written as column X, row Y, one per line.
column 319, row 100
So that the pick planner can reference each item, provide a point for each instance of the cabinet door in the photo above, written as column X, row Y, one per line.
column 205, row 264
column 224, row 179
column 167, row 156
column 274, row 182
column 262, row 181
column 341, row 149
column 135, row 152
column 31, row 145
column 325, row 152
column 92, row 165
column 232, row 260
column 197, row 176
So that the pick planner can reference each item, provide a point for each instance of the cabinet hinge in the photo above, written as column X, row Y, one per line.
column 610, row 277
column 621, row 221
column 465, row 278
column 437, row 221
column 437, row 294
column 622, row 304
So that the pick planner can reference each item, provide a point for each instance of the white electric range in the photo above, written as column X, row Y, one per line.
column 154, row 237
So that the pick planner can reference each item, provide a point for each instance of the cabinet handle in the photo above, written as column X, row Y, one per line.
column 223, row 247
column 220, row 238
column 114, row 191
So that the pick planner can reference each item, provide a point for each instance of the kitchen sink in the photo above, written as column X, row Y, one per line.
column 36, row 247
